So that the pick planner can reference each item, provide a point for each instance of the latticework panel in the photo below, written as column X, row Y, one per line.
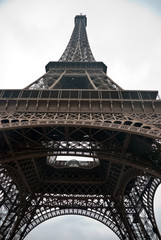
column 10, row 202
column 132, row 219
column 143, row 124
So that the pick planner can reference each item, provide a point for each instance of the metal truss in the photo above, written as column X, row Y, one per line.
column 74, row 142
column 113, row 192
column 71, row 79
column 144, row 124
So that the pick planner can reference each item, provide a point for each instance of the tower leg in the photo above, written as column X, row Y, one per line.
column 138, row 207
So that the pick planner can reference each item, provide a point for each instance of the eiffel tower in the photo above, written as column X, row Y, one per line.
column 74, row 142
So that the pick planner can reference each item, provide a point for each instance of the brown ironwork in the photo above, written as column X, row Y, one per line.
column 74, row 142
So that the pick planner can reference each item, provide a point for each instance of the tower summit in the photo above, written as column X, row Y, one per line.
column 74, row 142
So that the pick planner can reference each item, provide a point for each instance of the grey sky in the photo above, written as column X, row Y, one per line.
column 72, row 228
column 124, row 34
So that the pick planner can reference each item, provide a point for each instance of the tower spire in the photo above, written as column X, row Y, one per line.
column 77, row 68
column 78, row 49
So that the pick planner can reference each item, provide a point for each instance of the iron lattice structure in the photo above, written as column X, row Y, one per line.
column 110, row 136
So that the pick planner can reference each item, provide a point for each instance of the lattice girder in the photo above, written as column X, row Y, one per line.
column 109, row 210
column 75, row 76
column 130, row 123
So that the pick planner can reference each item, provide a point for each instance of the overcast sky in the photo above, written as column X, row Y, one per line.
column 124, row 34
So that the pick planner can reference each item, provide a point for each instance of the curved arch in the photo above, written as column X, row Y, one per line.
column 75, row 211
column 134, row 173
column 105, row 154
column 133, row 126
